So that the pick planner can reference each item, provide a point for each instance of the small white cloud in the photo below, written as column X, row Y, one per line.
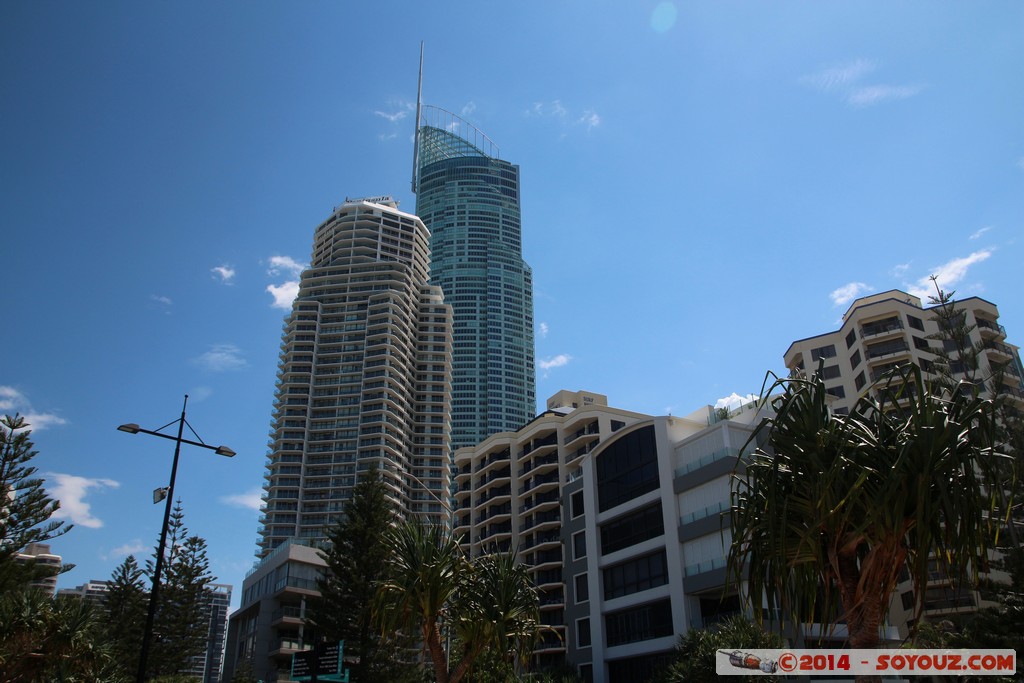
column 590, row 119
column 846, row 81
column 900, row 269
column 557, row 109
column 224, row 273
column 469, row 108
column 542, row 329
column 980, row 232
column 222, row 358
column 165, row 300
column 284, row 264
column 284, row 294
column 555, row 361
column 840, row 76
column 13, row 401
column 848, row 293
column 873, row 94
column 250, row 499
column 71, row 491
column 948, row 275
column 393, row 117
column 383, row 137
column 132, row 547
column 734, row 401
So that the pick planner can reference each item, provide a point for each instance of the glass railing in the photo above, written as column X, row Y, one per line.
column 705, row 512
column 706, row 566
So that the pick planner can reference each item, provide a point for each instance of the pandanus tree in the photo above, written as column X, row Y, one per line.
column 434, row 588
column 832, row 508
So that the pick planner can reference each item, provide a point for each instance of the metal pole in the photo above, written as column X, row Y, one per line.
column 154, row 592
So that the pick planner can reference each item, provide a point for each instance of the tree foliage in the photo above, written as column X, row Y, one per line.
column 124, row 614
column 835, row 506
column 25, row 508
column 693, row 660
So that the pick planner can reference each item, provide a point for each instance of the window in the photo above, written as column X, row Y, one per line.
column 823, row 352
column 631, row 529
column 576, row 504
column 639, row 623
column 855, row 359
column 851, row 338
column 915, row 323
column 583, row 632
column 830, row 372
column 859, row 381
column 921, row 344
column 628, row 468
column 579, row 545
column 582, row 588
column 838, row 392
column 635, row 575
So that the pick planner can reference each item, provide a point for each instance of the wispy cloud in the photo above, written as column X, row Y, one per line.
column 386, row 136
column 71, row 491
column 948, row 275
column 846, row 81
column 250, row 499
column 13, row 401
column 132, row 547
column 394, row 114
column 558, row 361
column 468, row 108
column 165, row 300
column 557, row 111
column 900, row 269
column 980, row 232
column 284, row 294
column 590, row 120
column 734, row 400
column 542, row 330
column 223, row 273
column 848, row 293
column 393, row 117
column 222, row 358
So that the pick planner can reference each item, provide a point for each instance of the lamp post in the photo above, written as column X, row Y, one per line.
column 132, row 428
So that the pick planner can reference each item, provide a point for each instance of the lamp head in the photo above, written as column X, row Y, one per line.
column 225, row 451
column 130, row 428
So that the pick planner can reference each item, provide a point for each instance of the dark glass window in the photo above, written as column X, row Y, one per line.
column 639, row 668
column 583, row 633
column 579, row 545
column 631, row 529
column 639, row 623
column 830, row 372
column 823, row 352
column 838, row 392
column 851, row 338
column 576, row 504
column 915, row 323
column 582, row 588
column 859, row 381
column 635, row 575
column 627, row 468
column 921, row 344
column 855, row 359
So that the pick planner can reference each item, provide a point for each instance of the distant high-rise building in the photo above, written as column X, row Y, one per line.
column 468, row 197
column 207, row 666
column 363, row 382
column 44, row 562
column 95, row 591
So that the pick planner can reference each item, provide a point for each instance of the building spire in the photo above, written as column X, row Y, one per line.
column 416, row 135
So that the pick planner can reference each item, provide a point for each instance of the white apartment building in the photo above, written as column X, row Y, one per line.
column 620, row 516
column 364, row 382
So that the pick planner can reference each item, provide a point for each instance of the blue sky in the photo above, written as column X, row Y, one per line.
column 702, row 184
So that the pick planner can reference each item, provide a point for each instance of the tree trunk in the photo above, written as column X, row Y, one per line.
column 433, row 637
column 863, row 614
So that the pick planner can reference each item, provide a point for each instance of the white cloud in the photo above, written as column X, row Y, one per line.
column 132, row 547
column 980, row 232
column 250, row 499
column 383, row 137
column 948, row 275
column 284, row 294
column 284, row 264
column 846, row 82
column 225, row 272
column 13, row 401
column 590, row 119
column 469, row 108
column 222, row 358
column 71, row 490
column 734, row 400
column 393, row 117
column 848, row 293
column 900, row 269
column 555, row 361
column 165, row 300
column 542, row 329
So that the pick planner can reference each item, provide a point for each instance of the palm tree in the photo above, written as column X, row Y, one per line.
column 838, row 505
column 489, row 603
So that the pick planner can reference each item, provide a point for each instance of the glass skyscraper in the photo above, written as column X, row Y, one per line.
column 468, row 198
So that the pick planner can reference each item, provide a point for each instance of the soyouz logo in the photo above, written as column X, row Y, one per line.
column 918, row 662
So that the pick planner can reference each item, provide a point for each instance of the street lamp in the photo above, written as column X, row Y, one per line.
column 132, row 428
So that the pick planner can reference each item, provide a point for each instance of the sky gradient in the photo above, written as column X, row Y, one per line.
column 702, row 184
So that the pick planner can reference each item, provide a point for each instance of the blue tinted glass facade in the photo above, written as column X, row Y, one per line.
column 469, row 199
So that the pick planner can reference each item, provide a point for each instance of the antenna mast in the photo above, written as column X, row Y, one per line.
column 416, row 135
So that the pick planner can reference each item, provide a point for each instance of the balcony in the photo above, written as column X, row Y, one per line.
column 539, row 462
column 541, row 518
column 880, row 328
column 538, row 443
column 590, row 429
column 538, row 481
column 551, row 497
column 990, row 327
column 875, row 352
column 999, row 348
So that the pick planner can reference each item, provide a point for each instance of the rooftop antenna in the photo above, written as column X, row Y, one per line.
column 416, row 135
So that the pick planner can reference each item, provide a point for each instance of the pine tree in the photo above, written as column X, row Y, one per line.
column 124, row 615
column 182, row 622
column 357, row 559
column 25, row 509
